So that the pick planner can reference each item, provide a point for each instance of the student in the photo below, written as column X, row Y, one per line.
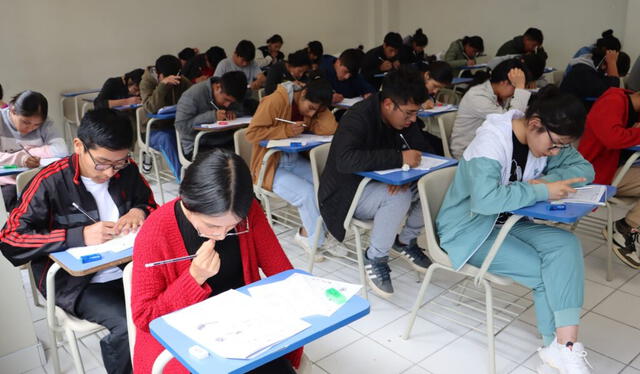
column 528, row 43
column 293, row 69
column 187, row 54
column 203, row 65
column 613, row 125
column 516, row 160
column 373, row 135
column 119, row 91
column 607, row 41
column 344, row 77
column 102, row 179
column 216, row 99
column 243, row 60
column 463, row 52
column 161, row 86
column 437, row 75
column 26, row 136
column 2, row 103
column 216, row 217
column 316, row 54
column 270, row 52
column 412, row 50
column 382, row 59
column 289, row 174
column 503, row 91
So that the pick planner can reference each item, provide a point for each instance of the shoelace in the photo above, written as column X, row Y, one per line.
column 415, row 252
column 577, row 359
column 382, row 271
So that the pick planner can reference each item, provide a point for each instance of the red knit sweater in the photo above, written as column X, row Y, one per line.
column 606, row 133
column 160, row 290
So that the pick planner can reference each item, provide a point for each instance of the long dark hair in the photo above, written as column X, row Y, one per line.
column 30, row 103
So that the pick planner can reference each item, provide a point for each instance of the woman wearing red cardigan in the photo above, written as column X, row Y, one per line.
column 217, row 218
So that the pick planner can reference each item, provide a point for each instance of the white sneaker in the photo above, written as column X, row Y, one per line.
column 335, row 247
column 565, row 359
column 303, row 242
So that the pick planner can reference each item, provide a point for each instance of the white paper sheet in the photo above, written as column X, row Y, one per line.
column 303, row 139
column 425, row 164
column 349, row 101
column 586, row 195
column 47, row 161
column 118, row 244
column 441, row 108
column 234, row 122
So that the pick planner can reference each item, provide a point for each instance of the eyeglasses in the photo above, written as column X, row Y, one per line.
column 555, row 145
column 244, row 228
column 407, row 113
column 118, row 165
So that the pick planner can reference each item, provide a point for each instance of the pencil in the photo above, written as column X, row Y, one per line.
column 289, row 122
column 172, row 260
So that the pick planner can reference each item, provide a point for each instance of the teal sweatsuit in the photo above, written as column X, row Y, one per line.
column 544, row 258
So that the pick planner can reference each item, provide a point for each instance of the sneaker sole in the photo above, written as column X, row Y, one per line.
column 408, row 261
column 378, row 291
column 546, row 362
column 614, row 238
column 618, row 251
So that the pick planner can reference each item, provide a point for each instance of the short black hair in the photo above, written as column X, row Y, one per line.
column 30, row 103
column 534, row 34
column 501, row 72
column 535, row 65
column 315, row 48
column 440, row 71
column 1, row 92
column 475, row 42
column 215, row 54
column 234, row 83
column 134, row 76
column 275, row 39
column 420, row 38
column 319, row 91
column 246, row 50
column 623, row 63
column 608, row 41
column 106, row 128
column 393, row 40
column 561, row 113
column 299, row 58
column 187, row 54
column 352, row 59
column 168, row 65
column 404, row 85
column 217, row 182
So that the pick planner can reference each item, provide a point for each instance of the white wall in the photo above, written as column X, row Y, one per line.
column 631, row 42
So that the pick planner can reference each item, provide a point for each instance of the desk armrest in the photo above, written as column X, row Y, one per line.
column 495, row 247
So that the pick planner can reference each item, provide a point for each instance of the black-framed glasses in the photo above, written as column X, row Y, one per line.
column 553, row 144
column 239, row 229
column 407, row 113
column 117, row 166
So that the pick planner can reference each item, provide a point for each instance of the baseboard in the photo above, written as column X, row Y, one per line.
column 23, row 360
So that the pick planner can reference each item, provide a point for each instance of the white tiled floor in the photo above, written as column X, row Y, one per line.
column 610, row 326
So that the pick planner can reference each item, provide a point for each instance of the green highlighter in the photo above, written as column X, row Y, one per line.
column 335, row 296
column 9, row 166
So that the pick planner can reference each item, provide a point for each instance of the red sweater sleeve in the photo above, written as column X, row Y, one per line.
column 608, row 120
column 271, row 258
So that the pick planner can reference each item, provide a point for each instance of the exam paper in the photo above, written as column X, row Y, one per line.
column 118, row 244
column 585, row 195
column 426, row 163
column 234, row 122
column 350, row 101
column 303, row 139
column 441, row 108
column 47, row 161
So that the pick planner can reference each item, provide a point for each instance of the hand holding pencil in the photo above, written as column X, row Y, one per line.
column 206, row 262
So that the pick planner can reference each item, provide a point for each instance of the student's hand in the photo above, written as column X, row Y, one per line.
column 206, row 264
column 32, row 162
column 130, row 222
column 295, row 129
column 537, row 181
column 231, row 115
column 133, row 100
column 560, row 189
column 471, row 62
column 221, row 115
column 336, row 98
column 611, row 57
column 517, row 78
column 173, row 80
column 99, row 232
column 386, row 65
column 366, row 95
column 411, row 157
column 396, row 64
column 255, row 85
column 393, row 189
column 429, row 104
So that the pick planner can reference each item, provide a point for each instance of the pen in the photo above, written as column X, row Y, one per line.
column 290, row 122
column 380, row 58
column 83, row 212
column 214, row 105
column 405, row 141
column 151, row 264
column 24, row 149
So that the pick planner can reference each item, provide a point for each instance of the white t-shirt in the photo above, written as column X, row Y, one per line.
column 108, row 211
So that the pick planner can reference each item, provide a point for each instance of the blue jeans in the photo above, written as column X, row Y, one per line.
column 164, row 140
column 294, row 183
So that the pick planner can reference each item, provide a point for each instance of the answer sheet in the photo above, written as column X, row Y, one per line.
column 118, row 244
column 427, row 163
column 303, row 139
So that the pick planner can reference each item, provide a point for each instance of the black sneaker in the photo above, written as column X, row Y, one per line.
column 627, row 242
column 378, row 275
column 146, row 163
column 413, row 254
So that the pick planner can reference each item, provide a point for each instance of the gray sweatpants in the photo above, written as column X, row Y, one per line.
column 388, row 212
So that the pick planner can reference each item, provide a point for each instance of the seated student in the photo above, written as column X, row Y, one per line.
column 2, row 103
column 270, row 53
column 373, row 135
column 289, row 174
column 437, row 75
column 344, row 77
column 216, row 99
column 102, row 179
column 463, row 52
column 516, row 160
column 613, row 125
column 316, row 54
column 505, row 90
column 293, row 69
column 607, row 41
column 528, row 43
column 187, row 54
column 203, row 65
column 413, row 46
column 118, row 91
column 216, row 217
column 382, row 59
column 243, row 60
column 26, row 136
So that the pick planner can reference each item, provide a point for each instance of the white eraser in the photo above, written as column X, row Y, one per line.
column 405, row 167
column 198, row 352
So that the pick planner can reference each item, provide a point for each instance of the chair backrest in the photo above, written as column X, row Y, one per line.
column 432, row 189
column 448, row 96
column 318, row 157
column 184, row 161
column 24, row 178
column 445, row 123
column 131, row 328
column 242, row 146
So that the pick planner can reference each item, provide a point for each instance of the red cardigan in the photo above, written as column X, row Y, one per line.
column 160, row 290
column 606, row 134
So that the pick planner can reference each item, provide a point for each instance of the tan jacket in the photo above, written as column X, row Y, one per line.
column 156, row 95
column 263, row 126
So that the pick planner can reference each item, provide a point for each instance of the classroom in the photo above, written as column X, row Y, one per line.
column 335, row 187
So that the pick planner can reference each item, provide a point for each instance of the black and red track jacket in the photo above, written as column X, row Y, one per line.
column 45, row 221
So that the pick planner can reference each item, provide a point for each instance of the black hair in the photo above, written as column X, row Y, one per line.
column 535, row 65
column 607, row 42
column 403, row 86
column 234, row 83
column 420, row 38
column 393, row 40
column 299, row 58
column 30, row 103
column 501, row 72
column 623, row 63
column 193, row 68
column 187, row 54
column 1, row 92
column 217, row 182
column 315, row 47
column 352, row 59
column 534, row 34
column 319, row 91
column 439, row 71
column 560, row 112
column 246, row 50
column 134, row 76
column 475, row 42
column 168, row 65
column 275, row 39
column 215, row 55
column 107, row 128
